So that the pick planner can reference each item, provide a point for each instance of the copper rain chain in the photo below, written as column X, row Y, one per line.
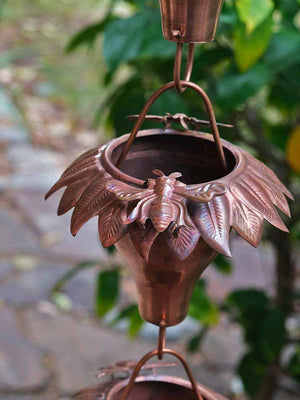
column 168, row 199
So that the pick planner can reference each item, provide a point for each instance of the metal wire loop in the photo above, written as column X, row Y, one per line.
column 177, row 66
column 151, row 100
column 147, row 357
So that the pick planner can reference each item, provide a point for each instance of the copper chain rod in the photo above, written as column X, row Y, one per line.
column 161, row 339
column 159, row 92
column 177, row 66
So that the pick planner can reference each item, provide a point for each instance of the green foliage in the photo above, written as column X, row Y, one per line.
column 249, row 47
column 88, row 35
column 293, row 367
column 132, row 315
column 253, row 12
column 223, row 264
column 107, row 290
column 252, row 373
column 123, row 44
column 195, row 342
column 71, row 273
column 202, row 308
column 264, row 331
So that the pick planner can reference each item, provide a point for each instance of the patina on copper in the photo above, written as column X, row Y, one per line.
column 190, row 21
column 169, row 227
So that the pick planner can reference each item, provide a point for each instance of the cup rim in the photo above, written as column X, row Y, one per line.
column 116, row 173
column 204, row 390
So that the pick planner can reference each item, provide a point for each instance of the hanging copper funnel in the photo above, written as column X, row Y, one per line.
column 168, row 199
column 190, row 21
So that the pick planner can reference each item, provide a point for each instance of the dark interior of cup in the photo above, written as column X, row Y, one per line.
column 195, row 157
column 158, row 391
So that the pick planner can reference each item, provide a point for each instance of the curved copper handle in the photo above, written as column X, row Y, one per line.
column 177, row 66
column 152, row 354
column 164, row 88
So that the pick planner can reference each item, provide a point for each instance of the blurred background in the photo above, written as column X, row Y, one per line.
column 70, row 73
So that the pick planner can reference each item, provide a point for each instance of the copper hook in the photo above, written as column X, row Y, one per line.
column 177, row 66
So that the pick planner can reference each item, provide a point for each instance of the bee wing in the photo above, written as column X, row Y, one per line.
column 126, row 192
column 202, row 194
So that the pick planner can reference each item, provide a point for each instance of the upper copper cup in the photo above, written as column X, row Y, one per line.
column 190, row 21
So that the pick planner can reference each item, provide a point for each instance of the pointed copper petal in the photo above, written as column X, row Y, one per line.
column 111, row 223
column 256, row 197
column 213, row 222
column 267, row 175
column 248, row 223
column 184, row 242
column 142, row 237
column 72, row 195
column 91, row 202
column 83, row 168
column 276, row 196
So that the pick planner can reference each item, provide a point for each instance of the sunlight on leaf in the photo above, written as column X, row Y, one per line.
column 253, row 12
column 249, row 48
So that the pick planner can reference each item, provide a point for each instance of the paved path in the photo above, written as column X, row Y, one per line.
column 46, row 353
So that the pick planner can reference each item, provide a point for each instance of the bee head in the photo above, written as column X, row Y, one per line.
column 172, row 176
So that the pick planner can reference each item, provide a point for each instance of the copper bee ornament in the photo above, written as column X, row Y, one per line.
column 162, row 202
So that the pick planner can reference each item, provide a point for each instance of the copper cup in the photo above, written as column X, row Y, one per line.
column 190, row 21
column 168, row 225
column 165, row 283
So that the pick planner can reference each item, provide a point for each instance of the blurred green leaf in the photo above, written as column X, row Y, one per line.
column 135, row 323
column 272, row 334
column 88, row 35
column 195, row 342
column 248, row 48
column 252, row 373
column 71, row 273
column 248, row 300
column 129, row 99
column 62, row 301
column 284, row 50
column 277, row 134
column 253, row 12
column 107, row 291
column 223, row 264
column 293, row 367
column 132, row 315
column 139, row 36
column 202, row 308
column 285, row 89
column 234, row 88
